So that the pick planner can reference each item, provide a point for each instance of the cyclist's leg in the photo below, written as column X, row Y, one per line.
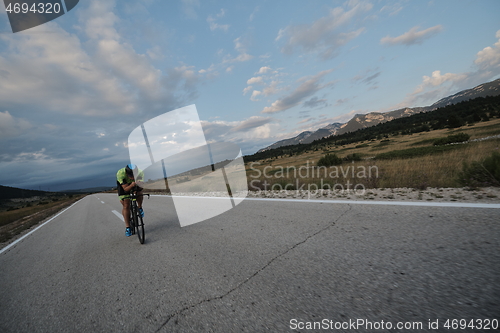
column 126, row 210
column 140, row 198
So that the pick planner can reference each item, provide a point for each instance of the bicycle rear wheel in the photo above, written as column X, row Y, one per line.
column 133, row 218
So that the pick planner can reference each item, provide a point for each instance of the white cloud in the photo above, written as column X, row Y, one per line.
column 367, row 77
column 183, row 80
column 342, row 101
column 489, row 57
column 11, row 126
column 189, row 7
column 255, row 95
column 324, row 121
column 315, row 102
column 254, row 80
column 264, row 70
column 241, row 48
column 99, row 20
column 119, row 56
column 76, row 84
column 413, row 36
column 212, row 22
column 28, row 157
column 393, row 9
column 305, row 120
column 251, row 123
column 343, row 118
column 145, row 84
column 271, row 89
column 155, row 53
column 436, row 79
column 255, row 127
column 308, row 87
column 324, row 36
column 247, row 89
column 130, row 66
column 252, row 16
column 434, row 87
column 437, row 85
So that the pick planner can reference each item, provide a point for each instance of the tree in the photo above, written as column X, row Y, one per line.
column 454, row 121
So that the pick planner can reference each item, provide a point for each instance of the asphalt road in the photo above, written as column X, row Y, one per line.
column 263, row 266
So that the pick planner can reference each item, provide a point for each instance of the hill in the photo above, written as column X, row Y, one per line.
column 361, row 121
column 88, row 190
column 7, row 192
column 306, row 137
column 483, row 90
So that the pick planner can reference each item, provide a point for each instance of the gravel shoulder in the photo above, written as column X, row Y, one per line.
column 483, row 195
column 478, row 195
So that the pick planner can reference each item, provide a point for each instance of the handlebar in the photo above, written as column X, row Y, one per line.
column 133, row 192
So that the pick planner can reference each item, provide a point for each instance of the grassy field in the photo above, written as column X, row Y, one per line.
column 397, row 161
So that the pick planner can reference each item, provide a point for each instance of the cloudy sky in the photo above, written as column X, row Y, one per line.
column 72, row 90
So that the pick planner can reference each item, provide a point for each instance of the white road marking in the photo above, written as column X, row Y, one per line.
column 120, row 216
column 32, row 231
column 391, row 203
column 358, row 202
column 102, row 201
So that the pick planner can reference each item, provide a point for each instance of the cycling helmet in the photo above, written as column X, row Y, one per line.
column 130, row 169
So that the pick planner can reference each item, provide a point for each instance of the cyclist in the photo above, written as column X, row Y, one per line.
column 126, row 181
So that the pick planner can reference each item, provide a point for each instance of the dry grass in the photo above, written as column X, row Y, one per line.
column 15, row 221
column 433, row 170
column 439, row 170
column 9, row 216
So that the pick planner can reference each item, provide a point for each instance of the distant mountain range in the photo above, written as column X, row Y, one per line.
column 361, row 121
column 90, row 190
column 307, row 136
column 7, row 192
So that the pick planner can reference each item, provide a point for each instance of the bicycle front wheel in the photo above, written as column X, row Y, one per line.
column 140, row 229
column 133, row 219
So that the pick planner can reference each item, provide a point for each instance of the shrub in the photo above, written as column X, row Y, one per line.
column 459, row 137
column 483, row 173
column 328, row 160
column 353, row 157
